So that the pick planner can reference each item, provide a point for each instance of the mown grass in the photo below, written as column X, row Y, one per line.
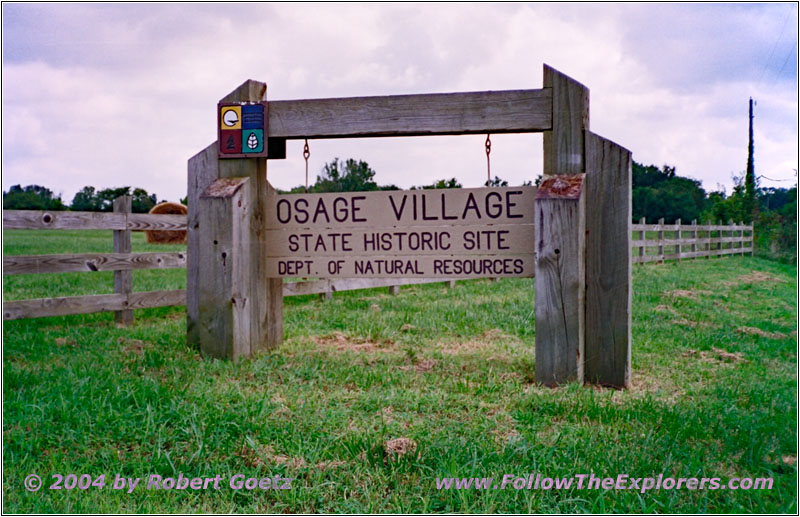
column 713, row 395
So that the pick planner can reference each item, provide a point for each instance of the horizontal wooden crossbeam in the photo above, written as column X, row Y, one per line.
column 510, row 111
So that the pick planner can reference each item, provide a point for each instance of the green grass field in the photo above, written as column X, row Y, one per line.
column 713, row 395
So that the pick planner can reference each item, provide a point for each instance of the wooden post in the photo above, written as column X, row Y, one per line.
column 694, row 239
column 731, row 234
column 708, row 240
column 678, row 238
column 123, row 280
column 741, row 237
column 327, row 295
column 262, row 297
column 607, row 358
column 660, row 237
column 451, row 284
column 563, row 146
column 560, row 279
column 643, row 236
column 223, row 295
column 394, row 290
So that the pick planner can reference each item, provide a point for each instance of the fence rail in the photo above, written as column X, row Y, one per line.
column 655, row 243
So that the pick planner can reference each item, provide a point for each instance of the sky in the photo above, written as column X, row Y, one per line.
column 113, row 95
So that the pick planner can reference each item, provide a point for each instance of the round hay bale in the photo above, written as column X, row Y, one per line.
column 167, row 236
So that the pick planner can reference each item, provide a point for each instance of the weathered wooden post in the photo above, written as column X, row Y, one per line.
column 609, row 212
column 741, row 237
column 123, row 280
column 560, row 220
column 694, row 239
column 642, row 236
column 233, row 309
column 660, row 237
column 560, row 280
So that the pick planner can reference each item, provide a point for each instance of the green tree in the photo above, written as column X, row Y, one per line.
column 444, row 183
column 348, row 176
column 107, row 196
column 496, row 182
column 32, row 197
column 661, row 193
column 142, row 202
column 85, row 200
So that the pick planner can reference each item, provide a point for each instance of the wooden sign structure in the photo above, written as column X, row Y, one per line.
column 572, row 234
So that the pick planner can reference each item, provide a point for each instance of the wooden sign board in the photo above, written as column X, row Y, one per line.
column 447, row 233
column 242, row 129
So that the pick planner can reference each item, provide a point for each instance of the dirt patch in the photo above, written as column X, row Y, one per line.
column 387, row 414
column 650, row 383
column 715, row 355
column 265, row 455
column 495, row 335
column 396, row 448
column 763, row 333
column 465, row 347
column 62, row 341
column 789, row 460
column 132, row 346
column 344, row 343
column 422, row 366
column 685, row 293
column 407, row 327
column 694, row 324
column 329, row 465
column 665, row 308
column 758, row 277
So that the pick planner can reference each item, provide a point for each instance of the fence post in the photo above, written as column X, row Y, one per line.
column 741, row 238
column 660, row 237
column 694, row 239
column 262, row 297
column 708, row 239
column 123, row 280
column 678, row 238
column 643, row 236
column 731, row 235
column 394, row 290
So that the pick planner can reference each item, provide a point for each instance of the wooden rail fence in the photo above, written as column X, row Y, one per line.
column 122, row 262
column 661, row 242
column 650, row 243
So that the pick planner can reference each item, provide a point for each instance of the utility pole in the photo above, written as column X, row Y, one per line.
column 750, row 175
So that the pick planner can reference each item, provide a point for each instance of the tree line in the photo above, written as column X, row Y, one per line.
column 88, row 199
column 658, row 192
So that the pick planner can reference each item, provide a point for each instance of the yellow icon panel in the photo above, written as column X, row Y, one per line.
column 230, row 117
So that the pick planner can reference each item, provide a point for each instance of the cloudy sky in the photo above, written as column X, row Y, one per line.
column 123, row 94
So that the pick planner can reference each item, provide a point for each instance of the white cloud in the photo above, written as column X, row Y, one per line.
column 110, row 95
